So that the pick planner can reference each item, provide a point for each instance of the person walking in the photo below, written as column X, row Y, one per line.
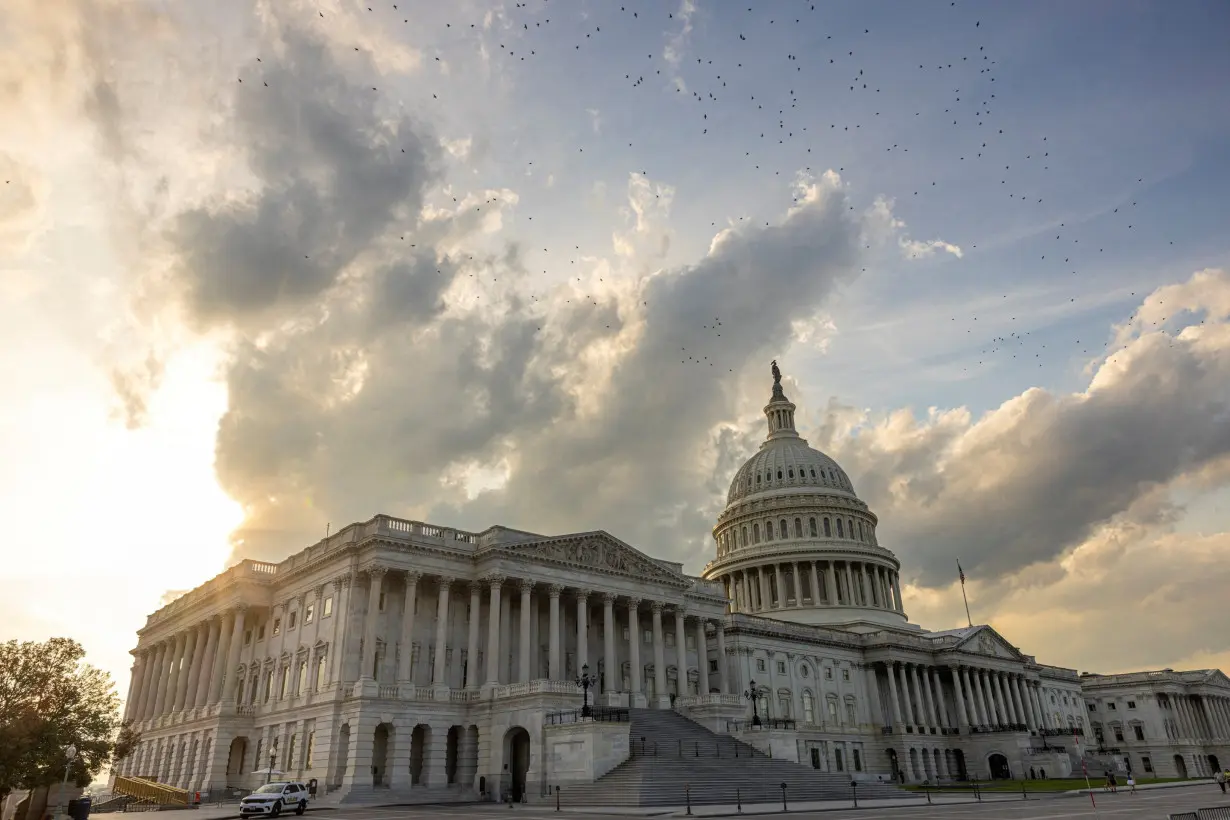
column 1132, row 782
column 1220, row 779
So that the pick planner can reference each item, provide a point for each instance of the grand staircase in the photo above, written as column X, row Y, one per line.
column 670, row 752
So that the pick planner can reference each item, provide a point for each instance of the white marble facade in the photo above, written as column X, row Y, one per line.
column 400, row 655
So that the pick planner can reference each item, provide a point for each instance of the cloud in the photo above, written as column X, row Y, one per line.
column 676, row 45
column 1035, row 478
column 916, row 249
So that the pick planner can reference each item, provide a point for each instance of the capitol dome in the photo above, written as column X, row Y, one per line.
column 795, row 542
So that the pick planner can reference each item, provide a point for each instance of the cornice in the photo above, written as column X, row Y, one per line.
column 745, row 558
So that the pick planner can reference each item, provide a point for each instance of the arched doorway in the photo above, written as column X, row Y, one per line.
column 998, row 764
column 343, row 754
column 419, row 739
column 236, row 762
column 380, row 755
column 894, row 765
column 1214, row 764
column 516, row 762
column 452, row 750
column 958, row 758
column 1180, row 766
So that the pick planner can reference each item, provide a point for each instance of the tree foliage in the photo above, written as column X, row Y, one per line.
column 49, row 700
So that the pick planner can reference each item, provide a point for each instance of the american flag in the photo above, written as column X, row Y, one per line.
column 961, row 572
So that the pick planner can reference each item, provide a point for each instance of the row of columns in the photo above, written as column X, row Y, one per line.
column 1201, row 718
column 525, row 587
column 983, row 697
column 843, row 583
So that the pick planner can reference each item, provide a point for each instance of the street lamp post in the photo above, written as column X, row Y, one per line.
column 754, row 693
column 70, row 754
column 585, row 682
column 272, row 759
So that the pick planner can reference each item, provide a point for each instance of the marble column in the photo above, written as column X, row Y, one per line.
column 681, row 651
column 872, row 593
column 154, row 655
column 405, row 659
column 208, row 662
column 897, row 592
column 197, row 640
column 554, row 669
column 959, row 696
column 439, row 674
column 815, row 583
column 780, row 603
column 897, row 716
column 634, row 647
column 702, row 657
column 933, row 710
column 723, row 685
column 229, row 679
column 375, row 576
column 226, row 623
column 766, row 600
column 134, row 686
column 611, row 681
column 582, row 629
column 174, row 700
column 493, row 631
column 984, row 697
column 1014, row 686
column 1005, row 708
column 527, row 610
column 659, row 652
column 473, row 670
column 851, row 597
column 924, row 718
column 798, row 583
column 341, row 626
column 938, row 684
column 980, row 704
column 908, row 709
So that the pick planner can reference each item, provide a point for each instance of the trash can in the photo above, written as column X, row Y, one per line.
column 79, row 809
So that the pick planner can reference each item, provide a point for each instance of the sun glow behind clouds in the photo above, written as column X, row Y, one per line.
column 101, row 520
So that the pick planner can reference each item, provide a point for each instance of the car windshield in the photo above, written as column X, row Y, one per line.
column 270, row 788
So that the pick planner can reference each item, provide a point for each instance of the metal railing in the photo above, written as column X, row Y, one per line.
column 681, row 749
column 601, row 714
column 765, row 725
column 998, row 727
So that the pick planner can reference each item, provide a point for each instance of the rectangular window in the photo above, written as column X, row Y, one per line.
column 1111, row 706
column 309, row 612
column 850, row 715
column 1139, row 731
column 290, row 751
column 320, row 672
column 647, row 636
column 781, row 667
column 309, row 753
column 1118, row 734
column 670, row 638
column 1146, row 764
column 303, row 673
column 713, row 666
column 328, row 608
column 285, row 682
column 1131, row 704
column 837, row 759
column 268, row 685
column 833, row 710
column 1093, row 707
column 260, row 747
column 845, row 674
column 277, row 626
column 290, row 621
column 626, row 634
column 260, row 632
column 828, row 673
column 858, row 761
column 760, row 667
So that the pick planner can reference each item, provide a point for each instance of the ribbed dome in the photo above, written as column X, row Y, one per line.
column 788, row 463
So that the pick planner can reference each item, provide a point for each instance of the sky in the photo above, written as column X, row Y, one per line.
column 272, row 267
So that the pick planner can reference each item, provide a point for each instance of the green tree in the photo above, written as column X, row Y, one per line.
column 49, row 700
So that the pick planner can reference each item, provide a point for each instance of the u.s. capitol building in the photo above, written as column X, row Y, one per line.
column 428, row 661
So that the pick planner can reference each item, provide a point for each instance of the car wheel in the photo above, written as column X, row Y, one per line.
column 276, row 810
column 302, row 807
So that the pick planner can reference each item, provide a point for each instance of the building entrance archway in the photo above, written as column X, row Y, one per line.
column 516, row 762
column 380, row 755
column 998, row 764
column 1180, row 766
column 894, row 765
column 236, row 761
column 343, row 754
column 1214, row 764
column 958, row 757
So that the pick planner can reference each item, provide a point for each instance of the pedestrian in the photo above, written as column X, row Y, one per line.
column 1220, row 777
column 1132, row 782
column 1113, row 782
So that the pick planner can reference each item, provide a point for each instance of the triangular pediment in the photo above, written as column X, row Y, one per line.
column 1218, row 678
column 986, row 641
column 599, row 552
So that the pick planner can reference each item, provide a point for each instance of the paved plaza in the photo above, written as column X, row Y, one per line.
column 1154, row 804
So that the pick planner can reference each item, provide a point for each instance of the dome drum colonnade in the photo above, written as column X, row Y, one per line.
column 795, row 537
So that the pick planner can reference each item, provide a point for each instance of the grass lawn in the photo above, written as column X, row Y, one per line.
column 1053, row 785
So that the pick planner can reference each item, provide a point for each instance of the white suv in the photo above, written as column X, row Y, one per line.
column 272, row 798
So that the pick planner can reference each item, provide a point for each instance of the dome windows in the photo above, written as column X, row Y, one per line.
column 811, row 524
column 798, row 528
column 785, row 529
column 813, row 472
column 743, row 537
column 840, row 534
column 779, row 475
column 790, row 473
column 861, row 537
column 828, row 528
column 768, row 530
column 755, row 533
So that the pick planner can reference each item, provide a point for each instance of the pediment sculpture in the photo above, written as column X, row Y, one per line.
column 596, row 554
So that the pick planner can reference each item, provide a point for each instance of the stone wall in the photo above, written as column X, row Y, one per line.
column 583, row 752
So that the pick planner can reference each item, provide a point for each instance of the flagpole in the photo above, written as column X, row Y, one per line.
column 961, row 573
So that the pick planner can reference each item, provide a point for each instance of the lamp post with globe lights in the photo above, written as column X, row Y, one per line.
column 754, row 693
column 585, row 681
column 70, row 754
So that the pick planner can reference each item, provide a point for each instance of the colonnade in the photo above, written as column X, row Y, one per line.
column 500, row 624
column 793, row 584
column 985, row 699
column 1199, row 717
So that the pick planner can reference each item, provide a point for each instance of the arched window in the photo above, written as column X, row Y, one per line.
column 303, row 677
column 830, row 704
column 790, row 473
column 779, row 475
column 763, row 705
column 798, row 528
column 851, row 529
column 784, row 529
column 755, row 533
column 239, row 691
column 813, row 472
column 809, row 707
column 828, row 529
column 861, row 537
column 840, row 534
column 783, row 702
column 320, row 671
column 811, row 526
column 757, row 478
column 743, row 536
column 768, row 530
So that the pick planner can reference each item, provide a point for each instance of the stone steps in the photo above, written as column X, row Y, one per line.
column 712, row 777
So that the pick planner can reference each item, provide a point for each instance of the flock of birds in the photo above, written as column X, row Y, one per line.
column 773, row 129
